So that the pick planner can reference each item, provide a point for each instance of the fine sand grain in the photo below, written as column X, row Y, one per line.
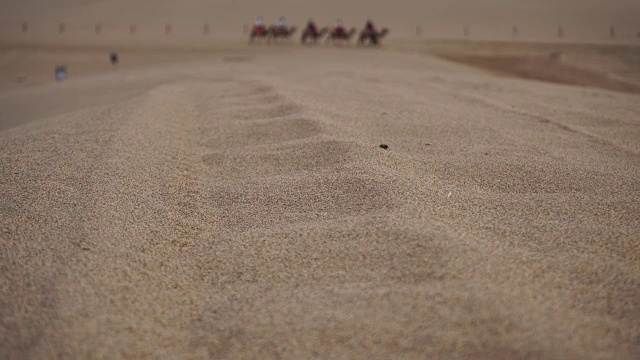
column 233, row 202
column 245, row 209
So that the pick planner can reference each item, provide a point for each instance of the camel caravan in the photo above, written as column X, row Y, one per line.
column 338, row 34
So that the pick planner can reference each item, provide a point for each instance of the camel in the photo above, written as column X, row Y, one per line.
column 309, row 34
column 372, row 36
column 341, row 36
column 275, row 33
column 270, row 33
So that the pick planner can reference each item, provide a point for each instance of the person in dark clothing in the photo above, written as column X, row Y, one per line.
column 312, row 29
column 369, row 28
column 371, row 34
column 339, row 29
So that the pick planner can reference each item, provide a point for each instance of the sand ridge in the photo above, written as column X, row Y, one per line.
column 225, row 209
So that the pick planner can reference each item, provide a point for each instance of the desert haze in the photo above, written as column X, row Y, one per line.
column 205, row 198
column 585, row 20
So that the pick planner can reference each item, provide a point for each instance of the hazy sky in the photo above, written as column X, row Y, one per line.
column 579, row 15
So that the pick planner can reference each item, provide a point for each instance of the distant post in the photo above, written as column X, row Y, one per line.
column 25, row 27
column 98, row 28
column 168, row 29
column 133, row 29
column 515, row 31
column 612, row 32
column 62, row 28
column 560, row 32
column 466, row 31
column 206, row 29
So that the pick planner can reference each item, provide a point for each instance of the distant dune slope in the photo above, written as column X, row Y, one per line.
column 606, row 66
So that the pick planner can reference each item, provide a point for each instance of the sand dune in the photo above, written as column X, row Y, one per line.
column 207, row 199
column 234, row 208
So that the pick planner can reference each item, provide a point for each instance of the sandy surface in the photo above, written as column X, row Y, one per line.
column 608, row 66
column 233, row 202
column 241, row 206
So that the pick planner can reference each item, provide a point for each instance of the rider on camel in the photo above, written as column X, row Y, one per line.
column 259, row 25
column 369, row 28
column 281, row 25
column 339, row 29
column 311, row 28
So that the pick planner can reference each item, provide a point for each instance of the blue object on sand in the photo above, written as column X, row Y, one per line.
column 61, row 72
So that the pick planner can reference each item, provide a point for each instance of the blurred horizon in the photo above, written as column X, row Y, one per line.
column 581, row 19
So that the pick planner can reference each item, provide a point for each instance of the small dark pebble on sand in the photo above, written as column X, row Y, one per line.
column 384, row 146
